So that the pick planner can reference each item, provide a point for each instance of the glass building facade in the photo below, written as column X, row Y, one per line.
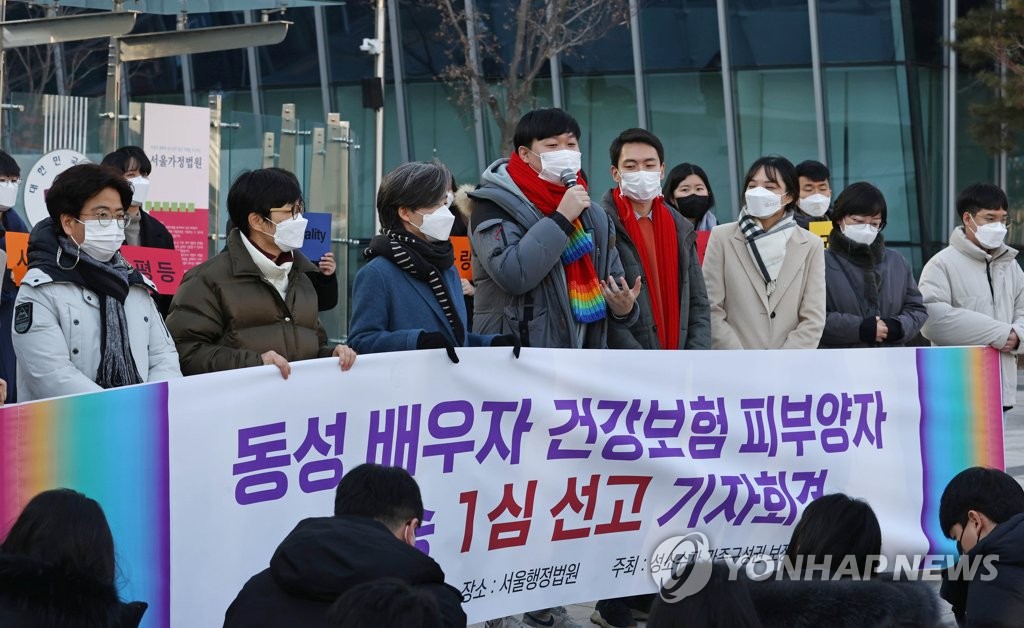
column 873, row 96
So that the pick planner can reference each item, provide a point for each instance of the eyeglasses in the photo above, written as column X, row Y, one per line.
column 105, row 218
column 294, row 210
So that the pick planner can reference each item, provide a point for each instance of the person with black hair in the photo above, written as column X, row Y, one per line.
column 57, row 567
column 85, row 319
column 409, row 294
column 371, row 535
column 384, row 602
column 720, row 604
column 871, row 297
column 253, row 304
column 815, row 183
column 688, row 190
column 10, row 221
column 974, row 288
column 544, row 265
column 766, row 277
column 833, row 529
column 983, row 510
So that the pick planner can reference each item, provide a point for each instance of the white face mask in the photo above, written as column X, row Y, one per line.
column 815, row 205
column 101, row 242
column 990, row 236
column 762, row 203
column 140, row 187
column 8, row 194
column 554, row 163
column 437, row 225
column 642, row 185
column 290, row 234
column 861, row 234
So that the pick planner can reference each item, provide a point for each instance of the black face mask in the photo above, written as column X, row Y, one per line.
column 693, row 206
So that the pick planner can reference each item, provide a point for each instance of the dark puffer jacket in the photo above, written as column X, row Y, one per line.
column 992, row 602
column 225, row 314
column 34, row 595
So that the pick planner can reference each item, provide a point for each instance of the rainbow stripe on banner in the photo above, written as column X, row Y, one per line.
column 111, row 446
column 961, row 424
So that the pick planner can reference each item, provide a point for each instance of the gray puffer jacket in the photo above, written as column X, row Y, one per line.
column 518, row 273
column 694, row 311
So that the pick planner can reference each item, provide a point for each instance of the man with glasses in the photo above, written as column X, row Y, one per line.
column 10, row 221
column 974, row 288
column 253, row 303
column 85, row 319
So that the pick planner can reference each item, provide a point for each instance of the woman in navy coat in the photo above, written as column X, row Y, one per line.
column 409, row 295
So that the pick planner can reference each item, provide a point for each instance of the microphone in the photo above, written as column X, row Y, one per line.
column 568, row 178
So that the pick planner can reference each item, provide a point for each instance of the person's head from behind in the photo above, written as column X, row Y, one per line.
column 88, row 203
column 835, row 529
column 638, row 164
column 860, row 212
column 414, row 198
column 133, row 162
column 975, row 501
column 983, row 210
column 384, row 602
column 688, row 189
column 720, row 604
column 10, row 179
column 66, row 529
column 266, row 206
column 386, row 494
column 770, row 187
column 549, row 141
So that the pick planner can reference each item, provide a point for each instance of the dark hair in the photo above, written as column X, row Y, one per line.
column 989, row 491
column 860, row 199
column 839, row 526
column 76, row 185
column 257, row 191
column 780, row 170
column 64, row 528
column 388, row 494
column 676, row 176
column 813, row 170
column 8, row 167
column 638, row 136
column 541, row 124
column 384, row 602
column 414, row 185
column 720, row 603
column 123, row 157
column 980, row 196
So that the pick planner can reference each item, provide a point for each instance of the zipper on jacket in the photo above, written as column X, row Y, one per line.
column 991, row 288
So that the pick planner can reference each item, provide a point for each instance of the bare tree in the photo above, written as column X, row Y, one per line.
column 538, row 29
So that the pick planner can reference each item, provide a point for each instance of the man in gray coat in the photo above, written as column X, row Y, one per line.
column 650, row 237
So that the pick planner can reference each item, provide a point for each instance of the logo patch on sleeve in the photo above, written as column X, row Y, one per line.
column 23, row 317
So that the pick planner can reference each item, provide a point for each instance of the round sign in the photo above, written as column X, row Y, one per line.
column 41, row 178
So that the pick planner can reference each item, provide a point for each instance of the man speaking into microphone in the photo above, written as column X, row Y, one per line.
column 544, row 265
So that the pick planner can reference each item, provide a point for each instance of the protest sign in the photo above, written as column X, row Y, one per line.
column 463, row 256
column 318, row 236
column 161, row 266
column 17, row 255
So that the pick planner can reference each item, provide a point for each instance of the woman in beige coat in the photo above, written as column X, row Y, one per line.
column 765, row 275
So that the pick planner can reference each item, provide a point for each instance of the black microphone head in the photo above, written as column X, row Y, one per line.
column 568, row 178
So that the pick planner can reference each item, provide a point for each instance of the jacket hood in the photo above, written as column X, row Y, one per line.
column 53, row 596
column 1006, row 541
column 495, row 182
column 958, row 240
column 324, row 556
column 844, row 603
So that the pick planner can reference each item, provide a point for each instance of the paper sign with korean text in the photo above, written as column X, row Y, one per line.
column 822, row 229
column 161, row 266
column 17, row 255
column 463, row 256
column 190, row 229
column 318, row 236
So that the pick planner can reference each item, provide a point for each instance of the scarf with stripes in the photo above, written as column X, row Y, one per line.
column 425, row 261
column 768, row 248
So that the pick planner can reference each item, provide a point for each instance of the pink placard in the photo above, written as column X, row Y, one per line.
column 190, row 230
column 162, row 266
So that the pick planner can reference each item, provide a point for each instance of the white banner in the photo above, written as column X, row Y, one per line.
column 177, row 141
column 552, row 479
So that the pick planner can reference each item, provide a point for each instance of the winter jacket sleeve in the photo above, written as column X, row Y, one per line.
column 947, row 325
column 698, row 335
column 326, row 287
column 615, row 270
column 723, row 336
column 841, row 328
column 811, row 315
column 42, row 350
column 196, row 323
column 517, row 261
column 163, row 357
column 914, row 313
column 371, row 315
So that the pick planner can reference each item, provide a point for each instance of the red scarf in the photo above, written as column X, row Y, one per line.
column 666, row 245
column 585, row 296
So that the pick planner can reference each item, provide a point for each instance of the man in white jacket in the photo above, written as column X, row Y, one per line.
column 974, row 288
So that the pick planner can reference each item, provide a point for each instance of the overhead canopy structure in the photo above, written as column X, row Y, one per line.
column 55, row 30
column 174, row 7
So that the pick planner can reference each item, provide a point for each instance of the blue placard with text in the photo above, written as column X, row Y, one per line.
column 318, row 236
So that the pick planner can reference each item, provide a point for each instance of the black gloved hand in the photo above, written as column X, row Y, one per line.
column 437, row 340
column 895, row 330
column 868, row 330
column 508, row 340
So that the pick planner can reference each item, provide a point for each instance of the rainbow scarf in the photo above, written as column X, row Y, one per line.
column 585, row 298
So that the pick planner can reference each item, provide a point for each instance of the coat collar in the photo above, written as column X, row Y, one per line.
column 959, row 241
column 243, row 264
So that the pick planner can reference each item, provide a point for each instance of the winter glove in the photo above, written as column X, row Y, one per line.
column 437, row 340
column 508, row 340
column 868, row 330
column 895, row 330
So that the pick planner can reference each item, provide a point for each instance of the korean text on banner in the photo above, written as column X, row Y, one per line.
column 463, row 256
column 161, row 266
column 318, row 236
column 17, row 255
